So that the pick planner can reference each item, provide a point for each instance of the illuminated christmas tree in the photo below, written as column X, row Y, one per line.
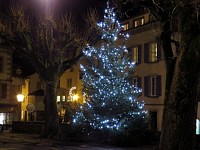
column 110, row 96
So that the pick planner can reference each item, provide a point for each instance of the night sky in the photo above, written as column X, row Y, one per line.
column 77, row 6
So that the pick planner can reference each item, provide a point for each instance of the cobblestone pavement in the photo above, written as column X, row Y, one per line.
column 10, row 141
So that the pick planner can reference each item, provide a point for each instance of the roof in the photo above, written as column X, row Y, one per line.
column 39, row 92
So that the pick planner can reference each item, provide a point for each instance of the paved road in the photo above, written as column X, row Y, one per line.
column 12, row 141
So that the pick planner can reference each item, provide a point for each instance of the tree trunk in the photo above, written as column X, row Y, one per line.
column 178, row 128
column 51, row 128
column 181, row 101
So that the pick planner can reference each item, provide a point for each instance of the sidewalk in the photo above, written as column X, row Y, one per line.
column 12, row 141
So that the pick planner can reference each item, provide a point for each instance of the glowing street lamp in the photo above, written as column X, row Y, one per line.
column 20, row 98
column 47, row 6
column 75, row 97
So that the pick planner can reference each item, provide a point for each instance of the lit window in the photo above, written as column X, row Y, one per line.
column 139, row 22
column 153, row 52
column 58, row 99
column 135, row 23
column 135, row 54
column 1, row 64
column 197, row 127
column 2, row 118
column 125, row 26
column 63, row 98
column 69, row 83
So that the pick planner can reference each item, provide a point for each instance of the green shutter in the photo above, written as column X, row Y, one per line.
column 139, row 54
column 146, row 86
column 146, row 52
column 158, row 85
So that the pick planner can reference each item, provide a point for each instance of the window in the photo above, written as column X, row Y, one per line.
column 152, row 86
column 136, row 54
column 69, row 83
column 197, row 127
column 153, row 91
column 2, row 118
column 137, row 82
column 125, row 26
column 1, row 64
column 63, row 98
column 138, row 22
column 4, row 91
column 58, row 99
column 152, row 52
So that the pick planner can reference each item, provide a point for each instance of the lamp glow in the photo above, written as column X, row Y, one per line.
column 75, row 97
column 20, row 97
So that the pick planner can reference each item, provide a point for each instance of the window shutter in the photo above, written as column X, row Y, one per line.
column 146, row 86
column 159, row 86
column 139, row 54
column 159, row 54
column 4, row 91
column 139, row 82
column 1, row 64
column 146, row 52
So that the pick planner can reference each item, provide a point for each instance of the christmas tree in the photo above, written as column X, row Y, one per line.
column 110, row 96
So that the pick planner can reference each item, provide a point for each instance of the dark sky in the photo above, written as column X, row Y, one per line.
column 75, row 5
column 99, row 4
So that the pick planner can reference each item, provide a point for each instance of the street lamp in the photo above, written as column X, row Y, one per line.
column 75, row 97
column 20, row 99
column 46, row 6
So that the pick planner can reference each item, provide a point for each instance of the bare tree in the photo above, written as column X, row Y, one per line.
column 183, row 73
column 52, row 40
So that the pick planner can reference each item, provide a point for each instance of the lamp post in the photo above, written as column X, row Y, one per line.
column 20, row 99
column 75, row 97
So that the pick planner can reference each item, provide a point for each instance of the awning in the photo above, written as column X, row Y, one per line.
column 39, row 92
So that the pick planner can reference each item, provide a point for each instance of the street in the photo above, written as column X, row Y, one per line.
column 10, row 141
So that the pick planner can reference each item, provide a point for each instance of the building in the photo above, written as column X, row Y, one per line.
column 69, row 89
column 150, row 72
column 7, row 102
column 149, row 75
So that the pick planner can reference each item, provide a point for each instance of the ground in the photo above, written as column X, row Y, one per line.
column 12, row 141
